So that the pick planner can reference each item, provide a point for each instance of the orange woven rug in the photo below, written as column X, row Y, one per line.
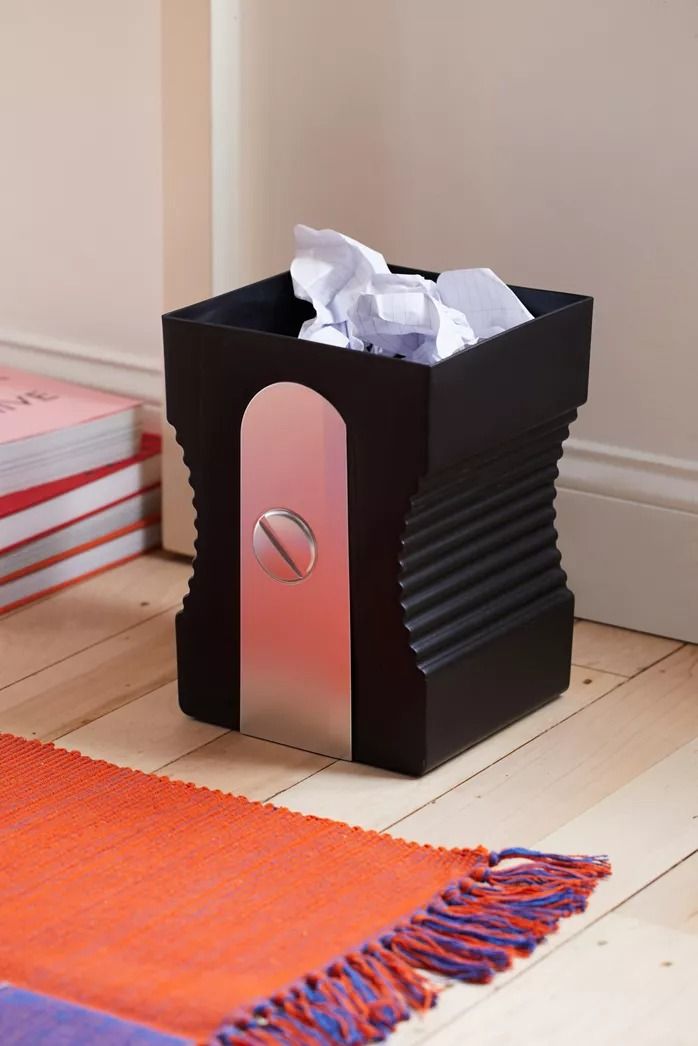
column 212, row 918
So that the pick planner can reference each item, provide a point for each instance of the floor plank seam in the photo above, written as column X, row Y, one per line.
column 101, row 758
column 622, row 681
column 651, row 882
column 201, row 748
column 539, row 957
column 90, row 646
column 267, row 799
column 664, row 657
column 321, row 769
column 122, row 704
column 595, row 668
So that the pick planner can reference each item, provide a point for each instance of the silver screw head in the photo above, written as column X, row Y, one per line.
column 284, row 545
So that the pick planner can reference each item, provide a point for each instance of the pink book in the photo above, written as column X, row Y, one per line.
column 30, row 513
column 50, row 429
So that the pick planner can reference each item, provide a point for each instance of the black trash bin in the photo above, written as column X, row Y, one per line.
column 455, row 618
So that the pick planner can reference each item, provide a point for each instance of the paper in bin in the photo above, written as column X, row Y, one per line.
column 404, row 315
column 360, row 304
column 491, row 306
column 330, row 270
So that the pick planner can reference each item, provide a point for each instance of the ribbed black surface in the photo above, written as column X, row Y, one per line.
column 479, row 547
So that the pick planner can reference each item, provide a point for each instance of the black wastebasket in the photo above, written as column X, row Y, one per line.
column 458, row 619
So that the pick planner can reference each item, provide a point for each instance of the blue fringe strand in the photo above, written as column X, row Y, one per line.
column 470, row 932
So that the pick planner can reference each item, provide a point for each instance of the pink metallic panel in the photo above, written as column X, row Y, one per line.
column 295, row 672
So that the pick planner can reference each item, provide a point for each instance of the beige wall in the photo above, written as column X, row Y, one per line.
column 104, row 182
column 80, row 205
column 552, row 141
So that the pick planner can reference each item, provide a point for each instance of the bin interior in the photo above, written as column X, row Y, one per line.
column 271, row 307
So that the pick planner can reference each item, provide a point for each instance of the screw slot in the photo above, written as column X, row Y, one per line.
column 284, row 546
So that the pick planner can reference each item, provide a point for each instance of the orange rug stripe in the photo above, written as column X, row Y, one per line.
column 175, row 906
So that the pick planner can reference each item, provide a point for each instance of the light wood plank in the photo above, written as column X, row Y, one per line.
column 672, row 900
column 631, row 949
column 646, row 827
column 637, row 987
column 565, row 771
column 245, row 766
column 375, row 798
column 72, row 620
column 617, row 649
column 144, row 734
column 92, row 683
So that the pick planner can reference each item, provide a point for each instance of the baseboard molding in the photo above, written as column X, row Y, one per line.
column 104, row 368
column 100, row 368
column 619, row 472
column 628, row 526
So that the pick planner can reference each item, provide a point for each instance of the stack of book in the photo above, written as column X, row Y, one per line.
column 79, row 484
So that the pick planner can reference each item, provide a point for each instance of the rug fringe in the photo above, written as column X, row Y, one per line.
column 469, row 932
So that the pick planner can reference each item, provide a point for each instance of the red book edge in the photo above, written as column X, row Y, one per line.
column 151, row 444
column 76, row 519
column 83, row 547
column 66, row 584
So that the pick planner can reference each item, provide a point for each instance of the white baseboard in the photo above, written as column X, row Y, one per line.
column 102, row 368
column 618, row 472
column 628, row 525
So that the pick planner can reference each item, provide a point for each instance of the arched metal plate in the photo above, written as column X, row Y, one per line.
column 295, row 646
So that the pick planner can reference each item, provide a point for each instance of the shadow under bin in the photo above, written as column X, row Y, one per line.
column 376, row 572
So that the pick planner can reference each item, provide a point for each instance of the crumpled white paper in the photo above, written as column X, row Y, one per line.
column 359, row 303
column 491, row 307
column 404, row 315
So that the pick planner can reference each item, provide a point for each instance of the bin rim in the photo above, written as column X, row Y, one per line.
column 183, row 314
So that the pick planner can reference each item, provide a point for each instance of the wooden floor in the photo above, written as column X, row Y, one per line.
column 609, row 767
